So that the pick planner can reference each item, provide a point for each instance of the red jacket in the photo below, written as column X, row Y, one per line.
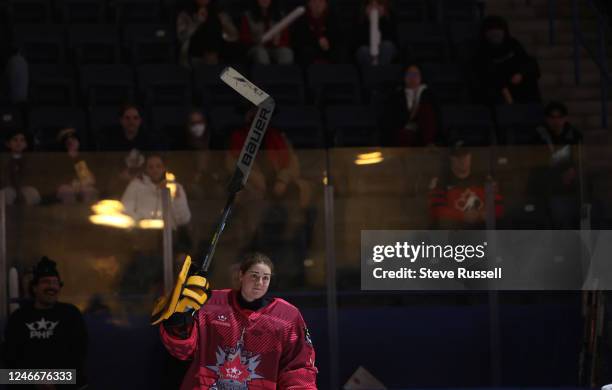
column 231, row 349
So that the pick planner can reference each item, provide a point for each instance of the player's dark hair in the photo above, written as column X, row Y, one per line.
column 250, row 259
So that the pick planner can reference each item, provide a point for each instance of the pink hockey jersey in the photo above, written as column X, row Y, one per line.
column 231, row 350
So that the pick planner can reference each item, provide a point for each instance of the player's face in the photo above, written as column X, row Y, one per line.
column 47, row 290
column 255, row 281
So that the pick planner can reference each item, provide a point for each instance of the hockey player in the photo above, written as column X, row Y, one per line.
column 242, row 339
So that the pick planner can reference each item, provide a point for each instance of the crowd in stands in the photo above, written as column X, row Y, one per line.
column 438, row 76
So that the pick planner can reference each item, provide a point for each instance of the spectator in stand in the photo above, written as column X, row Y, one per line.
column 130, row 137
column 77, row 180
column 386, row 22
column 17, row 176
column 202, row 30
column 142, row 197
column 282, row 225
column 457, row 198
column 47, row 333
column 555, row 185
column 197, row 133
column 412, row 112
column 504, row 72
column 259, row 18
column 315, row 37
column 278, row 173
column 208, row 176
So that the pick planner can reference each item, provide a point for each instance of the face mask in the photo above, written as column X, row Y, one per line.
column 198, row 129
column 495, row 37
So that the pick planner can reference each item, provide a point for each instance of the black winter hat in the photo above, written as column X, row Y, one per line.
column 45, row 267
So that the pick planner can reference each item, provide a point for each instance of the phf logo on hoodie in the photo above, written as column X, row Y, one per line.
column 41, row 329
column 234, row 369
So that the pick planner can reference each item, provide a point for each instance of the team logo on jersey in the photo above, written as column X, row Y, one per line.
column 41, row 329
column 221, row 318
column 235, row 367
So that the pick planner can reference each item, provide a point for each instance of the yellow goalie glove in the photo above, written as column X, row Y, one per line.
column 190, row 293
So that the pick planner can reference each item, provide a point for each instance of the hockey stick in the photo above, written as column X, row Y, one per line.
column 265, row 107
column 164, row 308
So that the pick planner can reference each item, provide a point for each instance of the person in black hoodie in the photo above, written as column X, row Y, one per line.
column 504, row 72
column 555, row 184
column 46, row 333
column 315, row 37
column 388, row 40
column 202, row 30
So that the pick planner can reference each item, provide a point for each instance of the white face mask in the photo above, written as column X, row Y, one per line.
column 198, row 129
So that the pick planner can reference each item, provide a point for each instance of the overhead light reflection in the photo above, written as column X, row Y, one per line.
column 120, row 221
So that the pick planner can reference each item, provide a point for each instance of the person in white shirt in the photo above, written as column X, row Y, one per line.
column 142, row 197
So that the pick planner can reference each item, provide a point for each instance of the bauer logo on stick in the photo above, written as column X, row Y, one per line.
column 192, row 290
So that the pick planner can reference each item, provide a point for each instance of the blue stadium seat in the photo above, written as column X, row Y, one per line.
column 45, row 122
column 457, row 10
column 378, row 80
column 518, row 122
column 352, row 125
column 424, row 42
column 284, row 82
column 301, row 124
column 4, row 21
column 107, row 84
column 334, row 84
column 95, row 44
column 211, row 90
column 169, row 123
column 82, row 11
column 448, row 82
column 164, row 84
column 224, row 120
column 464, row 38
column 472, row 123
column 290, row 5
column 137, row 11
column 29, row 11
column 411, row 10
column 150, row 43
column 102, row 122
column 41, row 43
column 52, row 85
column 347, row 10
